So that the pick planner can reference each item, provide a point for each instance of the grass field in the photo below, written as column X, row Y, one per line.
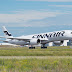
column 52, row 59
column 24, row 51
column 36, row 65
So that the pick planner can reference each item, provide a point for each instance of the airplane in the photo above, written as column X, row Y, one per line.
column 57, row 37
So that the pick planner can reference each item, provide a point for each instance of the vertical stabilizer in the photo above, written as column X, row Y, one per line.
column 6, row 33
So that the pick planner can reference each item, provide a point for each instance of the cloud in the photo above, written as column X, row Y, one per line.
column 69, row 6
column 48, row 0
column 31, row 18
column 24, row 16
column 60, row 20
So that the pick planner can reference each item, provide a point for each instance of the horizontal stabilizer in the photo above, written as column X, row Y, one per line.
column 3, row 41
column 2, row 37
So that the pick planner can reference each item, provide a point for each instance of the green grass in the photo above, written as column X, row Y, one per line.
column 24, row 51
column 57, row 59
column 36, row 65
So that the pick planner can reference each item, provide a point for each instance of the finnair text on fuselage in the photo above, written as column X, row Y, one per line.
column 47, row 35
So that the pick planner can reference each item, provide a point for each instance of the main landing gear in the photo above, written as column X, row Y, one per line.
column 43, row 46
column 31, row 47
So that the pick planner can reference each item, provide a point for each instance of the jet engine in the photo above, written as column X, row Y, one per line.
column 34, row 41
column 58, row 42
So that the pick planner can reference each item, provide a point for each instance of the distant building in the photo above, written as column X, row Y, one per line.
column 65, row 43
column 50, row 44
column 69, row 43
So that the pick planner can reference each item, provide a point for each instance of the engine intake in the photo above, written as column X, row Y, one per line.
column 34, row 41
column 38, row 41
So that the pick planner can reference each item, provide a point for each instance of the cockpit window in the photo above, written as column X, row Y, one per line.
column 71, row 32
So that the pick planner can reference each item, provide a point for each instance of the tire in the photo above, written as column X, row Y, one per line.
column 43, row 47
column 31, row 47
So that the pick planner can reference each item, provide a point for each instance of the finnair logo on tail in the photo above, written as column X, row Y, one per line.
column 7, row 33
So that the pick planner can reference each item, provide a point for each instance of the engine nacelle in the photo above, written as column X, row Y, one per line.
column 34, row 41
column 58, row 42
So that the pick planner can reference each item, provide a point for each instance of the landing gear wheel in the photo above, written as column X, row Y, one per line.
column 43, row 47
column 31, row 47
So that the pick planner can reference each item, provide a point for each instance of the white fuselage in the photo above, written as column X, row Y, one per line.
column 49, row 37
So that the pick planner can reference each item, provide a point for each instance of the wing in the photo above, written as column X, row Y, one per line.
column 17, row 38
column 24, row 39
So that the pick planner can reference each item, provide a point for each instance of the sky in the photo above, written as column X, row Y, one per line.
column 23, row 17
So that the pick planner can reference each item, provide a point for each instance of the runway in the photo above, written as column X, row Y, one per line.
column 32, row 57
